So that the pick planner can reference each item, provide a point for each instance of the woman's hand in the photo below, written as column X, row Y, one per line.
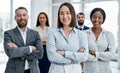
column 43, row 42
column 61, row 52
column 92, row 52
column 107, row 50
column 81, row 50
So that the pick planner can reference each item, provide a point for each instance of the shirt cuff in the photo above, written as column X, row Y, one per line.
column 30, row 49
column 97, row 54
column 67, row 53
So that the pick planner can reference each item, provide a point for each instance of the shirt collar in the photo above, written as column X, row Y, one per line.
column 78, row 26
column 73, row 30
column 22, row 30
column 103, row 30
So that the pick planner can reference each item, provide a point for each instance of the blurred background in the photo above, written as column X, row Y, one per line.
column 112, row 23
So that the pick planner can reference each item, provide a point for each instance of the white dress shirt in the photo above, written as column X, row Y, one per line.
column 24, row 34
column 80, row 27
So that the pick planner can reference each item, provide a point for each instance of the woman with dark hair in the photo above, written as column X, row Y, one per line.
column 66, row 45
column 101, row 44
column 42, row 26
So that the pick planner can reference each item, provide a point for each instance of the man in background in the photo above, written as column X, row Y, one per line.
column 81, row 26
column 80, row 20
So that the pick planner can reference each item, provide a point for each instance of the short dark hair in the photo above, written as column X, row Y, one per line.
column 73, row 14
column 80, row 14
column 100, row 10
column 38, row 23
column 21, row 8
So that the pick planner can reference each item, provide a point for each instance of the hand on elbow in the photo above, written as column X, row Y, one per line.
column 61, row 52
column 92, row 52
column 11, row 45
column 81, row 50
column 33, row 48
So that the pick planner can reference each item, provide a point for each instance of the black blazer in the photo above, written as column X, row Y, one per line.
column 84, row 28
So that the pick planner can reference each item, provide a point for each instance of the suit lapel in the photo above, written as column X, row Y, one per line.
column 28, row 37
column 18, row 36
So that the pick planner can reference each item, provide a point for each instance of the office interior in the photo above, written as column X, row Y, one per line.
column 112, row 22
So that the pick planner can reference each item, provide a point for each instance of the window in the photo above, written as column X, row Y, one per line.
column 7, row 9
column 4, row 17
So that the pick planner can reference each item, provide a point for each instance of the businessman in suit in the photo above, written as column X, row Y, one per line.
column 81, row 26
column 22, row 45
column 80, row 20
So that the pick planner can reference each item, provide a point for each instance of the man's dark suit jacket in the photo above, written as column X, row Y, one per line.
column 84, row 28
column 18, row 56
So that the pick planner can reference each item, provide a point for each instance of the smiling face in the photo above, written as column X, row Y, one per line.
column 97, row 19
column 21, row 17
column 80, row 19
column 65, row 16
column 42, row 19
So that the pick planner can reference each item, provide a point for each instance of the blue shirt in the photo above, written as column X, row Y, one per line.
column 57, row 41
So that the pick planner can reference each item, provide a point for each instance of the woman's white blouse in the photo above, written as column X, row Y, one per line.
column 100, row 63
column 57, row 41
column 43, row 32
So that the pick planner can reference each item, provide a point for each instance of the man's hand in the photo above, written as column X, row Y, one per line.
column 33, row 48
column 11, row 45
